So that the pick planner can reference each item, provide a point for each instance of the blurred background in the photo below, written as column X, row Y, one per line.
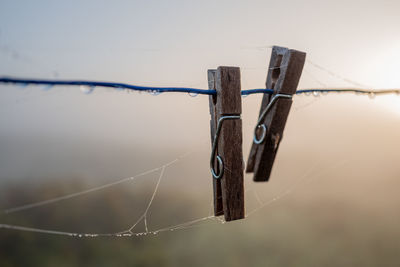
column 333, row 195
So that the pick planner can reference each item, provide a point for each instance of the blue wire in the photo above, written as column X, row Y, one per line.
column 257, row 91
column 108, row 84
column 304, row 91
column 9, row 80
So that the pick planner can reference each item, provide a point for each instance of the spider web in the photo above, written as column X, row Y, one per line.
column 210, row 219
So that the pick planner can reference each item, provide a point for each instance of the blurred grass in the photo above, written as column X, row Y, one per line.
column 297, row 230
column 343, row 213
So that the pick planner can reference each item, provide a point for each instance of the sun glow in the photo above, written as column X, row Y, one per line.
column 389, row 102
column 382, row 69
column 385, row 71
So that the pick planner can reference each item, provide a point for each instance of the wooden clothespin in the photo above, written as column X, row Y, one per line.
column 226, row 138
column 284, row 73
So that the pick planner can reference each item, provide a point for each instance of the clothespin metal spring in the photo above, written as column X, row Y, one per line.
column 214, row 147
column 261, row 125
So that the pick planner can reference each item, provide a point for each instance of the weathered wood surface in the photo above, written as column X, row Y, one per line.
column 218, row 209
column 228, row 102
column 285, row 68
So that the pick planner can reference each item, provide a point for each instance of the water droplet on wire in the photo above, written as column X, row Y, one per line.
column 87, row 89
column 193, row 94
column 47, row 87
column 316, row 93
column 154, row 92
column 371, row 95
column 22, row 85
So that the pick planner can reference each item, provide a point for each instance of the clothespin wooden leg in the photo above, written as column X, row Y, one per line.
column 285, row 68
column 218, row 209
column 226, row 131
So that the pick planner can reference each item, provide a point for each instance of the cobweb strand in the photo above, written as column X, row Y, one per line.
column 91, row 190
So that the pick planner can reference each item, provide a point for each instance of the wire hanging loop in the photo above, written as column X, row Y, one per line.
column 261, row 126
column 218, row 174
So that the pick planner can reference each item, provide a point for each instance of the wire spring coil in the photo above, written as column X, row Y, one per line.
column 219, row 174
column 261, row 125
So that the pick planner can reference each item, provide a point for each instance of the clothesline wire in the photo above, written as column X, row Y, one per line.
column 122, row 86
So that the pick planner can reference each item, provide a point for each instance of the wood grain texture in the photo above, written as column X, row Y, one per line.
column 283, row 77
column 272, row 76
column 217, row 191
column 228, row 102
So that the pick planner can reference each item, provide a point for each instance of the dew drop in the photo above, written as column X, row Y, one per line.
column 87, row 89
column 22, row 85
column 307, row 93
column 244, row 96
column 154, row 92
column 371, row 95
column 47, row 87
column 193, row 94
column 316, row 93
column 324, row 92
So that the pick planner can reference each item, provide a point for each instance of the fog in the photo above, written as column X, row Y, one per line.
column 333, row 195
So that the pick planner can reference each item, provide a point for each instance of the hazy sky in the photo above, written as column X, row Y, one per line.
column 173, row 43
column 335, row 182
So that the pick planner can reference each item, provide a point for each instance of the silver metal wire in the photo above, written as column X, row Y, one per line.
column 261, row 125
column 214, row 147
